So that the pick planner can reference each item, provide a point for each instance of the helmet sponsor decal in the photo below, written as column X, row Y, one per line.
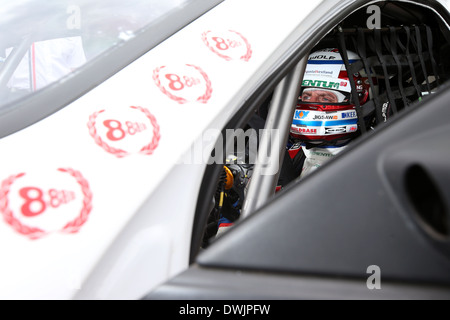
column 301, row 114
column 322, row 130
column 322, row 57
column 335, row 130
column 183, row 83
column 331, row 56
column 125, row 131
column 42, row 202
column 348, row 115
column 304, row 130
column 327, row 83
column 312, row 115
column 229, row 45
column 325, row 117
column 323, row 70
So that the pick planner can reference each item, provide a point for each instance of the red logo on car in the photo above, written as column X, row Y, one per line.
column 36, row 205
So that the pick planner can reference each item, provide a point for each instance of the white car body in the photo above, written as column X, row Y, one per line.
column 137, row 233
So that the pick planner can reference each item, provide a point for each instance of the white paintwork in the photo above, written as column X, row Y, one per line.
column 58, row 265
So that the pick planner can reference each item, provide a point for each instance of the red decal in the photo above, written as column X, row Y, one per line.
column 229, row 45
column 29, row 200
column 34, row 203
column 183, row 85
column 305, row 130
column 132, row 134
column 116, row 132
column 20, row 210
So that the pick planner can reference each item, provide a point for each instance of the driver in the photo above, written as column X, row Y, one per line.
column 325, row 119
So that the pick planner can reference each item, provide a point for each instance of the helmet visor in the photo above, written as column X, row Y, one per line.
column 323, row 96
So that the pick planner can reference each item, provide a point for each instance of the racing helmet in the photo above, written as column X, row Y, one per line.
column 325, row 111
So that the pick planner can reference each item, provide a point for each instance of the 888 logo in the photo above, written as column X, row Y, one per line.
column 45, row 201
column 125, row 130
column 183, row 83
column 228, row 44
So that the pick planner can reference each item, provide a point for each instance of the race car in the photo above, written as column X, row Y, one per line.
column 129, row 129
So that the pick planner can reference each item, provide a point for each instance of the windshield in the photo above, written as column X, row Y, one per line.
column 44, row 41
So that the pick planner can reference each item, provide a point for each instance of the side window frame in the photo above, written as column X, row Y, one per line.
column 291, row 59
column 305, row 41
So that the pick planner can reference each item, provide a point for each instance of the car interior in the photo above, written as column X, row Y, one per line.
column 408, row 62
